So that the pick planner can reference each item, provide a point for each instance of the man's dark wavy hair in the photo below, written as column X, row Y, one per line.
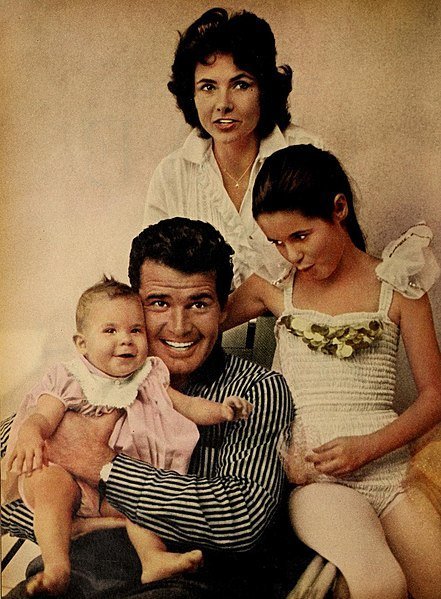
column 251, row 43
column 188, row 246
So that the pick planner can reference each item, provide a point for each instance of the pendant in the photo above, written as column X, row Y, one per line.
column 237, row 185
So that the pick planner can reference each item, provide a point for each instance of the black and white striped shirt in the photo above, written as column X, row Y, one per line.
column 235, row 480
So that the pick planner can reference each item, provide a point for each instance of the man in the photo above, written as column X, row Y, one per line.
column 228, row 503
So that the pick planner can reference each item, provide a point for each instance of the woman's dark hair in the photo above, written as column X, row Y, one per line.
column 251, row 43
column 189, row 246
column 306, row 179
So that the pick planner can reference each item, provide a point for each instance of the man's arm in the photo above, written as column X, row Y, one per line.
column 231, row 508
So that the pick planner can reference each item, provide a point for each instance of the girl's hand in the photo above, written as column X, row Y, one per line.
column 29, row 453
column 342, row 455
column 235, row 408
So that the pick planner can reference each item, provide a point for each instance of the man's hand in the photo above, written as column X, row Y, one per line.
column 80, row 444
column 342, row 455
column 236, row 408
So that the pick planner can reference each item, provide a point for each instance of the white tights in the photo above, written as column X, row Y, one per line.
column 380, row 558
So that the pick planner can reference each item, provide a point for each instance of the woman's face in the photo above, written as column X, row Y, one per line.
column 227, row 100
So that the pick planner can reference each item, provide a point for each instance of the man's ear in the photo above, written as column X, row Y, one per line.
column 80, row 343
column 340, row 207
column 223, row 315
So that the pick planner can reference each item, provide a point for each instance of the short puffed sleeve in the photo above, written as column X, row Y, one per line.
column 409, row 264
column 159, row 372
column 59, row 383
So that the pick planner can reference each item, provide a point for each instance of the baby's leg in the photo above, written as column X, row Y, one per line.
column 413, row 532
column 158, row 563
column 340, row 524
column 54, row 495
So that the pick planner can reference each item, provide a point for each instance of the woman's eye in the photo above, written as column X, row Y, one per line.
column 276, row 243
column 137, row 330
column 242, row 85
column 206, row 87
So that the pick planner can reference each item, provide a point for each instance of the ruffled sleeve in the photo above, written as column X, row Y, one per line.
column 408, row 264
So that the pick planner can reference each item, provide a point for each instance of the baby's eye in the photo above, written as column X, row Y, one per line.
column 109, row 330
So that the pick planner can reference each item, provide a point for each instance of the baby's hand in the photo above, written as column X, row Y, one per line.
column 29, row 453
column 236, row 408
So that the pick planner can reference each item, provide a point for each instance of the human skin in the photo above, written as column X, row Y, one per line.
column 183, row 317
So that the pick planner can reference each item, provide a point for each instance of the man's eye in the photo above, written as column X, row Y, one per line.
column 199, row 305
column 275, row 242
column 300, row 236
column 155, row 304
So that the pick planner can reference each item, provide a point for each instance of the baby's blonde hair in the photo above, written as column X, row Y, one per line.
column 107, row 286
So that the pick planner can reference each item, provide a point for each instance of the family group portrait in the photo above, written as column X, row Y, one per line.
column 221, row 299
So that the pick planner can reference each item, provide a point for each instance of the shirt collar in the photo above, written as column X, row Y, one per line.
column 270, row 144
column 195, row 148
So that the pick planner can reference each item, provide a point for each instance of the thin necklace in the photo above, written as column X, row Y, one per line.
column 237, row 181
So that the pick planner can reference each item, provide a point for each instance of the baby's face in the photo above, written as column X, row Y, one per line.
column 114, row 338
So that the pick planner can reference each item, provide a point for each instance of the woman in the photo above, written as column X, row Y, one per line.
column 227, row 84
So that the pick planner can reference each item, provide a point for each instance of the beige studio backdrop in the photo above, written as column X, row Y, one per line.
column 86, row 116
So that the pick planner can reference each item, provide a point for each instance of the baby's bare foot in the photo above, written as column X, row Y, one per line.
column 164, row 564
column 51, row 583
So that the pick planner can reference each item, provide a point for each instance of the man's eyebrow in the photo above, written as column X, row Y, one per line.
column 156, row 295
column 202, row 295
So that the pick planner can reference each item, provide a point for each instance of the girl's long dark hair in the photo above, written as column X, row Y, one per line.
column 305, row 179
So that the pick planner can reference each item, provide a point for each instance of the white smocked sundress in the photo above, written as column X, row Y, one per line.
column 341, row 371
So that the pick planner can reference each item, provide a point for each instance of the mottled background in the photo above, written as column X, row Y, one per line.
column 86, row 116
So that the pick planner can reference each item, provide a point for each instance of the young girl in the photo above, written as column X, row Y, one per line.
column 151, row 422
column 340, row 314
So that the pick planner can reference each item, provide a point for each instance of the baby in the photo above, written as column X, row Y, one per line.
column 112, row 378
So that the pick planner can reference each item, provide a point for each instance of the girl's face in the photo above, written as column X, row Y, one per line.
column 227, row 100
column 114, row 338
column 313, row 245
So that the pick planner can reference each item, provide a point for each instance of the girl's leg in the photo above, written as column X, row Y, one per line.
column 341, row 525
column 158, row 563
column 413, row 532
column 54, row 495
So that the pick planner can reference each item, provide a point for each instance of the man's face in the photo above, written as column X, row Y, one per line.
column 182, row 314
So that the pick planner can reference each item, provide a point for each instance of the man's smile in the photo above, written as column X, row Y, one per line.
column 179, row 345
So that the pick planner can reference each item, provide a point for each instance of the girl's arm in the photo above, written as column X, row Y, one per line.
column 253, row 298
column 29, row 452
column 345, row 454
column 203, row 411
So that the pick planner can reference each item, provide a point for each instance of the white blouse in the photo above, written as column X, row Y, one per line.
column 189, row 183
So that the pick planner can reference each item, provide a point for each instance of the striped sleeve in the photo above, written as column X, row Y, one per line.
column 230, row 506
column 17, row 519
